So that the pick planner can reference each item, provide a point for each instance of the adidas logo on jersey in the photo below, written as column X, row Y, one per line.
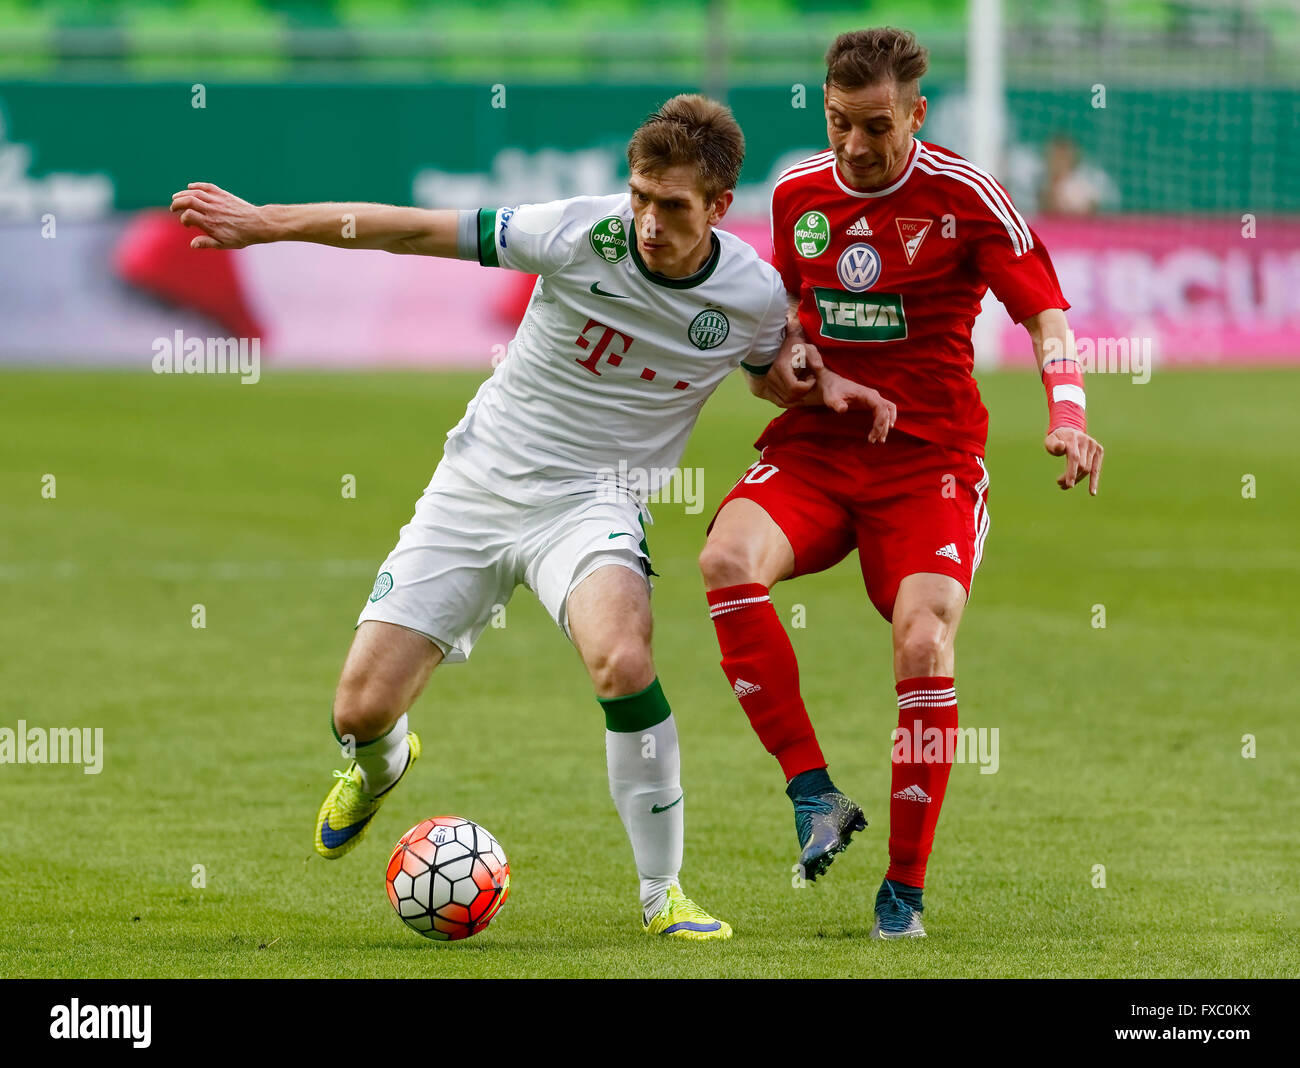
column 744, row 689
column 913, row 793
column 950, row 551
column 861, row 228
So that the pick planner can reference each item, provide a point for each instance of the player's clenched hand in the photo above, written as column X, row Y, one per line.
column 226, row 221
column 792, row 375
column 1082, row 456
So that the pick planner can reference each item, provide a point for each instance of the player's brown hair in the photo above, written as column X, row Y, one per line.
column 869, row 57
column 695, row 131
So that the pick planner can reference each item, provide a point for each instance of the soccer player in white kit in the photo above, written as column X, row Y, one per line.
column 640, row 310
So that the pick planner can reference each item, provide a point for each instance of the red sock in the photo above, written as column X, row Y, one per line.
column 759, row 662
column 921, row 760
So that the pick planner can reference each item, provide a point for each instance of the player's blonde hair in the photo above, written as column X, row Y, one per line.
column 695, row 131
column 869, row 57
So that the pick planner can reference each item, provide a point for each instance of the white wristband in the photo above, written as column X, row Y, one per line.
column 1069, row 394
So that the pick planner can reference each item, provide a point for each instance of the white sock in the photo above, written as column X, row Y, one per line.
column 383, row 760
column 644, row 774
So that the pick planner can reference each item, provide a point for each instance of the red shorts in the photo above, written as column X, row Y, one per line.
column 907, row 506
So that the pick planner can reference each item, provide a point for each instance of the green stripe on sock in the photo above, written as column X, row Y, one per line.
column 360, row 745
column 636, row 712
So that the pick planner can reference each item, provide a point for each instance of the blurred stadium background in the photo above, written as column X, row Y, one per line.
column 1155, row 144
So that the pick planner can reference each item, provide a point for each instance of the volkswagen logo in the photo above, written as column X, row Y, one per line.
column 859, row 267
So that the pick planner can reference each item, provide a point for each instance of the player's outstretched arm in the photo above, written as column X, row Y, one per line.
column 1067, row 433
column 228, row 222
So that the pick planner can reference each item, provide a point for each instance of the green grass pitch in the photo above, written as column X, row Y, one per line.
column 1120, row 746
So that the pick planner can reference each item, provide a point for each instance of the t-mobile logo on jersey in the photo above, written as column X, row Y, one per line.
column 608, row 334
column 614, row 359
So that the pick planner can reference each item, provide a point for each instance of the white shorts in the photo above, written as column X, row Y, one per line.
column 465, row 550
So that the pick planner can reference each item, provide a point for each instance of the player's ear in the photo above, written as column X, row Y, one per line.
column 918, row 113
column 721, row 206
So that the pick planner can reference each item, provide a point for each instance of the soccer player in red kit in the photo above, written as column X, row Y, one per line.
column 886, row 245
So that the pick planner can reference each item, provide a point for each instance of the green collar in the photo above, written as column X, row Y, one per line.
column 691, row 280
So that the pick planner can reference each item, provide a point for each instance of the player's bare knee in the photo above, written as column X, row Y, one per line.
column 621, row 669
column 920, row 644
column 365, row 708
column 725, row 564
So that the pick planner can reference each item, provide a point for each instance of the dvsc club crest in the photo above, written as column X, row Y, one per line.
column 609, row 239
column 709, row 329
column 859, row 267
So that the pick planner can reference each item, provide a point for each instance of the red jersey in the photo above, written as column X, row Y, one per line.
column 890, row 281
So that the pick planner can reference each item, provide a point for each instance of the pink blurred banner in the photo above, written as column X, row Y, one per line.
column 327, row 306
column 1202, row 291
column 1176, row 290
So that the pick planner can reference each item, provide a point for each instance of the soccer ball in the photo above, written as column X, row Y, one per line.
column 447, row 878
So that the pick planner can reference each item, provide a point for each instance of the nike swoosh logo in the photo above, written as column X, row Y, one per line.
column 332, row 839
column 620, row 534
column 665, row 808
column 694, row 925
column 595, row 288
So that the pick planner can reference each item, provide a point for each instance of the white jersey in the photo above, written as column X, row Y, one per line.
column 612, row 363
